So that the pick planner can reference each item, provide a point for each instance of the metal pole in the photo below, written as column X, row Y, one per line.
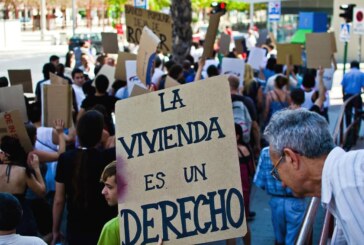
column 74, row 17
column 345, row 55
column 308, row 221
column 42, row 19
column 359, row 49
column 251, row 14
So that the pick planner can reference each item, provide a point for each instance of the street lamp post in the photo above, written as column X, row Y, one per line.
column 74, row 17
column 42, row 19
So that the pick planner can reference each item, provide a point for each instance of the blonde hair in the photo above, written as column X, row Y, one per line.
column 248, row 77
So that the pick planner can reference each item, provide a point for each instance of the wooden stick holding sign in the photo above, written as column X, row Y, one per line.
column 146, row 55
column 208, row 46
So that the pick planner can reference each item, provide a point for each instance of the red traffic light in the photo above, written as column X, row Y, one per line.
column 218, row 7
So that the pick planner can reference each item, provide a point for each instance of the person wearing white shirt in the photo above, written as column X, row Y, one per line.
column 10, row 216
column 306, row 160
column 158, row 72
column 78, row 81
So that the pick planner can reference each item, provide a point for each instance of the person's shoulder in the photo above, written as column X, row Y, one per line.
column 237, row 97
column 30, row 240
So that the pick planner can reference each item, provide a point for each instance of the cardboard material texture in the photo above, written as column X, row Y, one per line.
column 333, row 42
column 161, row 24
column 294, row 51
column 120, row 71
column 23, row 77
column 12, row 98
column 131, row 76
column 138, row 90
column 170, row 82
column 225, row 41
column 318, row 55
column 257, row 58
column 146, row 55
column 239, row 46
column 233, row 66
column 210, row 37
column 109, row 72
column 56, row 104
column 57, row 80
column 272, row 38
column 11, row 124
column 170, row 163
column 110, row 42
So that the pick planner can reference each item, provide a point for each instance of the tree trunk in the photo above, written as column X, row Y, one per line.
column 181, row 12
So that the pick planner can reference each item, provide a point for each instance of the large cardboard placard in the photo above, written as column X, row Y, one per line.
column 161, row 24
column 23, row 77
column 57, row 80
column 318, row 55
column 170, row 82
column 131, row 76
column 56, row 104
column 333, row 42
column 11, row 123
column 289, row 52
column 138, row 90
column 12, row 98
column 239, row 46
column 178, row 168
column 110, row 42
column 210, row 37
column 225, row 40
column 233, row 66
column 257, row 58
column 120, row 71
column 146, row 55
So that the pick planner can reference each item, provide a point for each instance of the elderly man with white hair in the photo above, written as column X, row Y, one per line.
column 306, row 160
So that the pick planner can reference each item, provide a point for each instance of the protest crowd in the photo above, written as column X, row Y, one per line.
column 281, row 119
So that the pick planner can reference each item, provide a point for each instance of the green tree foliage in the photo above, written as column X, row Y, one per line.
column 115, row 7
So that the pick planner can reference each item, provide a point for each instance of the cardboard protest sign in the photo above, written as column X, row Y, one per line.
column 131, row 76
column 233, row 66
column 170, row 82
column 318, row 55
column 211, row 32
column 146, row 55
column 289, row 52
column 57, row 80
column 56, row 104
column 138, row 90
column 239, row 46
column 109, row 72
column 257, row 58
column 263, row 36
column 161, row 24
column 178, row 169
column 12, row 98
column 11, row 124
column 333, row 42
column 110, row 42
column 225, row 40
column 120, row 71
column 23, row 77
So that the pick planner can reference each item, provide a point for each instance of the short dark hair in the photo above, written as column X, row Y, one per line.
column 281, row 81
column 76, row 71
column 175, row 71
column 47, row 68
column 354, row 64
column 298, row 96
column 53, row 58
column 157, row 61
column 4, row 82
column 10, row 212
column 212, row 71
column 89, row 128
column 308, row 80
column 101, row 83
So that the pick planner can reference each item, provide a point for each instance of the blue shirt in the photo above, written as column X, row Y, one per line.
column 353, row 81
column 265, row 180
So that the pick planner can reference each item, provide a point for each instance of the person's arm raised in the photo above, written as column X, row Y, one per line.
column 35, row 181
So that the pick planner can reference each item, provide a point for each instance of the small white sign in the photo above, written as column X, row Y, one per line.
column 233, row 66
column 274, row 10
column 358, row 21
column 131, row 75
column 257, row 58
column 345, row 33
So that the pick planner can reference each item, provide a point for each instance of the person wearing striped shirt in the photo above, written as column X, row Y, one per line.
column 306, row 160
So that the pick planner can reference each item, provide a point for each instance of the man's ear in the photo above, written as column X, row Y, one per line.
column 291, row 157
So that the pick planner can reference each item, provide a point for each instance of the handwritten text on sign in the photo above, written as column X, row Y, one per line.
column 159, row 23
column 181, row 173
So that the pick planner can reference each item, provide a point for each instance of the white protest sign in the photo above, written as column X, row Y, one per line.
column 146, row 55
column 131, row 75
column 178, row 169
column 233, row 66
column 257, row 58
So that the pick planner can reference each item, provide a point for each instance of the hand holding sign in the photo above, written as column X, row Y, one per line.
column 146, row 54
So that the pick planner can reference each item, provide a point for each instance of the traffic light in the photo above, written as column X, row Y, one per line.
column 348, row 12
column 218, row 7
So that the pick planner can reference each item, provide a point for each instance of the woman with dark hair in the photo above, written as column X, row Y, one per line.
column 77, row 183
column 16, row 176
